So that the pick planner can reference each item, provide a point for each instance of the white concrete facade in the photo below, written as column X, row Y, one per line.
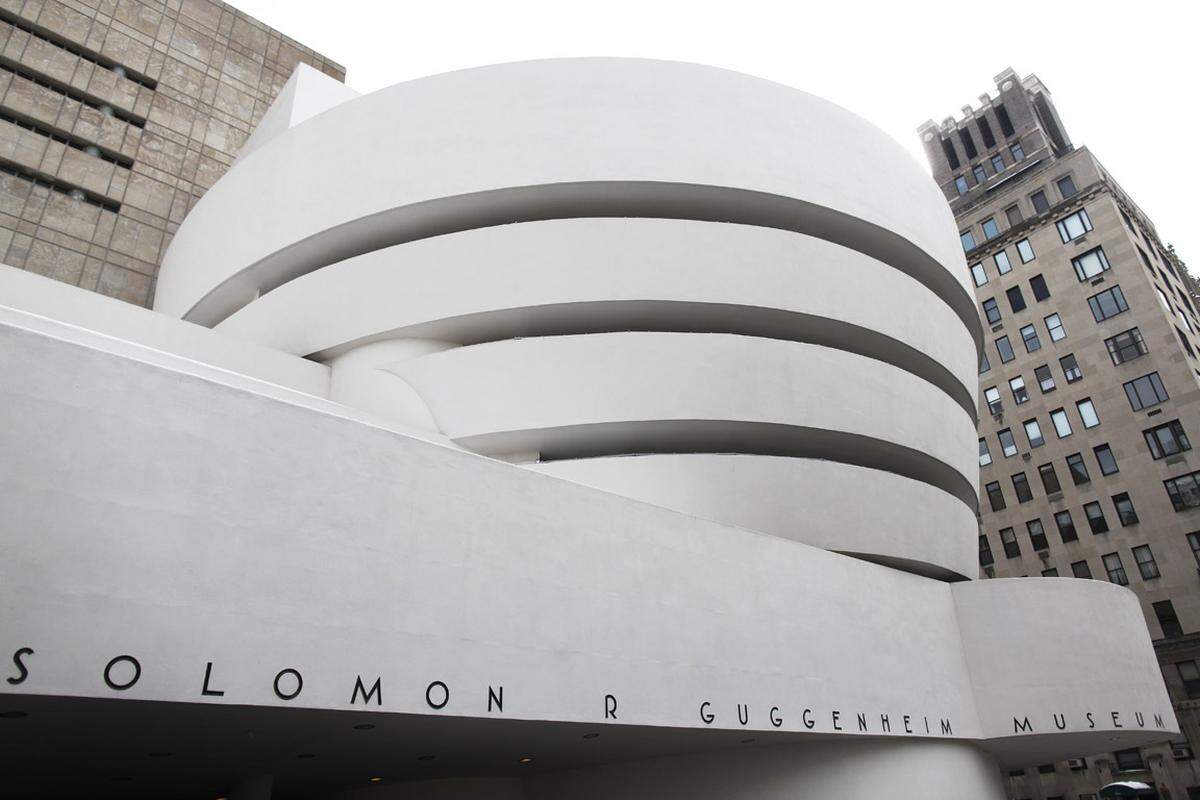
column 610, row 397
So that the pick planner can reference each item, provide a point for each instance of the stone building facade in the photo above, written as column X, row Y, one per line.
column 115, row 117
column 1089, row 395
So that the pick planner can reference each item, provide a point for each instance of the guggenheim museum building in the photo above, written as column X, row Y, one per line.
column 586, row 428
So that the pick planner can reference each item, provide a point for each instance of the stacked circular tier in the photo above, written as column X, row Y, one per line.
column 673, row 282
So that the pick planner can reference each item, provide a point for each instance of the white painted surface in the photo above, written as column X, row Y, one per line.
column 55, row 300
column 585, row 129
column 308, row 92
column 839, row 507
column 578, row 274
column 191, row 521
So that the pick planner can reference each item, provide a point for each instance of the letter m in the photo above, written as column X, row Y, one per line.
column 359, row 689
column 1019, row 725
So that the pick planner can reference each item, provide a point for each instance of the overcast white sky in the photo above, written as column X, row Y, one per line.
column 1123, row 75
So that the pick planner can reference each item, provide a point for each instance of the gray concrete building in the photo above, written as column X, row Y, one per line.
column 115, row 117
column 1088, row 398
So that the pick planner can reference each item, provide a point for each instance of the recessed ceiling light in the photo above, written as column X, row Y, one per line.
column 363, row 726
column 306, row 755
column 591, row 735
column 524, row 759
column 122, row 779
column 748, row 741
column 13, row 714
column 425, row 758
column 159, row 754
column 374, row 780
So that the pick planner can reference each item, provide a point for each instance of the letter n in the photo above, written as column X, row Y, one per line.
column 498, row 699
column 360, row 689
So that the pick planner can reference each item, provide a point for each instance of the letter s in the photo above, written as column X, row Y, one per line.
column 17, row 656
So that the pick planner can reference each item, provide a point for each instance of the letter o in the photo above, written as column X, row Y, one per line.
column 299, row 683
column 445, row 695
column 120, row 687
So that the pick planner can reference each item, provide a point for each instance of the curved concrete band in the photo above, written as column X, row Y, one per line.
column 531, row 141
column 594, row 275
column 870, row 513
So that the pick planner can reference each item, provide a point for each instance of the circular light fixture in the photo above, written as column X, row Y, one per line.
column 425, row 758
column 524, row 759
column 748, row 741
column 13, row 714
column 306, row 755
column 591, row 735
column 374, row 780
column 364, row 726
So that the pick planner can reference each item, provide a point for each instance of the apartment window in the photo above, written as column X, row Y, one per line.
column 990, row 229
column 1040, row 290
column 960, row 183
column 991, row 310
column 1062, row 425
column 1145, row 561
column 979, row 274
column 1030, row 338
column 1044, row 378
column 1008, row 445
column 1050, row 572
column 1033, row 432
column 1021, row 487
column 1018, row 153
column 968, row 240
column 996, row 496
column 1167, row 439
column 1189, row 672
column 1015, row 299
column 1125, row 510
column 1013, row 213
column 1184, row 491
column 985, row 130
column 1126, row 346
column 980, row 175
column 1049, row 479
column 1012, row 549
column 998, row 163
column 1040, row 204
column 1090, row 264
column 1078, row 469
column 1194, row 542
column 994, row 404
column 1025, row 251
column 984, row 364
column 1106, row 459
column 1168, row 620
column 1070, row 368
column 1087, row 412
column 968, row 143
column 1073, row 226
column 1181, row 750
column 1095, row 517
column 1066, row 186
column 1108, row 303
column 1145, row 391
column 1183, row 341
column 1080, row 569
column 985, row 552
column 985, row 455
column 1115, row 569
column 1020, row 393
column 1055, row 327
column 1037, row 534
column 1003, row 265
column 1004, row 348
column 1046, row 769
column 1163, row 300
